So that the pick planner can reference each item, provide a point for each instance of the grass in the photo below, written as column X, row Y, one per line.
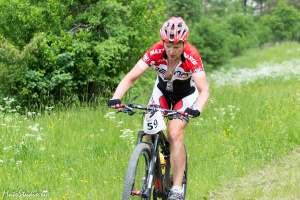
column 243, row 129
column 277, row 53
column 277, row 180
column 79, row 154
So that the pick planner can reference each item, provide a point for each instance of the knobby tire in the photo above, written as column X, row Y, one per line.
column 141, row 150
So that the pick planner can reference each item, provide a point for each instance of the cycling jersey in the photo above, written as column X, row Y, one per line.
column 181, row 83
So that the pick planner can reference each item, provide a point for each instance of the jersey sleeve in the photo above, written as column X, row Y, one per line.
column 153, row 53
column 194, row 59
column 199, row 67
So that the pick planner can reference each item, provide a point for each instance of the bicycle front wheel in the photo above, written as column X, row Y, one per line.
column 137, row 173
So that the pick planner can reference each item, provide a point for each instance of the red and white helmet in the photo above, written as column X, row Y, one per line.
column 174, row 30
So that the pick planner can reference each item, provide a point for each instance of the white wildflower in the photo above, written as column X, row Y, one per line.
column 35, row 127
column 126, row 133
column 7, row 148
column 31, row 114
column 39, row 138
column 240, row 76
column 9, row 100
column 19, row 162
column 49, row 108
column 110, row 115
column 119, row 123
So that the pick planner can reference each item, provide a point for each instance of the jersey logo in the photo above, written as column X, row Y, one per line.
column 156, row 51
column 191, row 58
column 160, row 70
column 180, row 74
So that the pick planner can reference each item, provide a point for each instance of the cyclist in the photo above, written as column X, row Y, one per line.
column 180, row 85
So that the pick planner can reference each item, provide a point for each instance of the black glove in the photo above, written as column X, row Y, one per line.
column 113, row 102
column 192, row 112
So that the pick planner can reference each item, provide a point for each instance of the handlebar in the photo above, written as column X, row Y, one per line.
column 131, row 110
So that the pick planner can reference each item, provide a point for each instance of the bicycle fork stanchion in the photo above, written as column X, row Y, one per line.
column 150, row 177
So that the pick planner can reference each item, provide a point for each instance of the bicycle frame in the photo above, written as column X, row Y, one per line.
column 155, row 173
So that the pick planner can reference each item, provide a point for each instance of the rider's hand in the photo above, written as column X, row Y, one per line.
column 114, row 103
column 192, row 112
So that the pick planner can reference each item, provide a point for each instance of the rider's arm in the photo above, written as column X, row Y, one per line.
column 202, row 87
column 139, row 68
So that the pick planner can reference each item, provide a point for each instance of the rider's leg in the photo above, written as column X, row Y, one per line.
column 178, row 157
column 175, row 134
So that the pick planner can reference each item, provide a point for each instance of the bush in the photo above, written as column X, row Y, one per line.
column 243, row 31
column 284, row 22
column 211, row 38
column 83, row 63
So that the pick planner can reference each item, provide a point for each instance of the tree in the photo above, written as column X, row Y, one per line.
column 190, row 10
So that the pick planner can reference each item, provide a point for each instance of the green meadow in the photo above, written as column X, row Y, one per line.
column 82, row 153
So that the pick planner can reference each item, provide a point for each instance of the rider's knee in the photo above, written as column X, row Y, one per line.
column 175, row 136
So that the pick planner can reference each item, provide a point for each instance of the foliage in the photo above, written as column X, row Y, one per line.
column 65, row 51
column 243, row 31
column 211, row 39
column 284, row 22
column 83, row 63
column 190, row 10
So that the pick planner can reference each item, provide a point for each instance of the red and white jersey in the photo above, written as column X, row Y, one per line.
column 181, row 81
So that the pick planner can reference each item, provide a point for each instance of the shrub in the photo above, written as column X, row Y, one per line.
column 83, row 63
column 284, row 22
column 243, row 31
column 211, row 38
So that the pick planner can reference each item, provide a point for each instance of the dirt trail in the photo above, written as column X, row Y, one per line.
column 278, row 181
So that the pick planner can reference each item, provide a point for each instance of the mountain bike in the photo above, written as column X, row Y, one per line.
column 149, row 173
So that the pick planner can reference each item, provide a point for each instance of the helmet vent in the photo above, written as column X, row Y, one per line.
column 174, row 30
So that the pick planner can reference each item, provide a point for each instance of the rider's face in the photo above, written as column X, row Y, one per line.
column 174, row 51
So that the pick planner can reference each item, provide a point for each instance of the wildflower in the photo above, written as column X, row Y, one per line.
column 19, row 162
column 7, row 148
column 49, row 108
column 39, row 138
column 31, row 114
column 119, row 123
column 241, row 76
column 34, row 127
column 45, row 193
column 126, row 132
column 110, row 115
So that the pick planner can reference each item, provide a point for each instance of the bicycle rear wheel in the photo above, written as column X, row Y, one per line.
column 137, row 173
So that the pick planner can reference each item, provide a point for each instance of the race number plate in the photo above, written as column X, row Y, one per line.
column 154, row 122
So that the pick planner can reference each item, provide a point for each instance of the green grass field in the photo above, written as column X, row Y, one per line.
column 82, row 153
